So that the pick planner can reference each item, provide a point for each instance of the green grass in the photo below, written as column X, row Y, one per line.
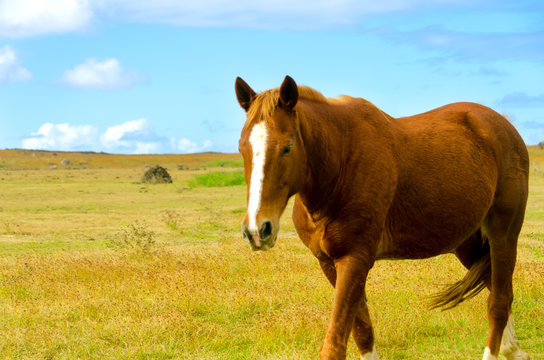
column 218, row 179
column 94, row 265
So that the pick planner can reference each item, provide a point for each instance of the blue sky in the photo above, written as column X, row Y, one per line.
column 134, row 76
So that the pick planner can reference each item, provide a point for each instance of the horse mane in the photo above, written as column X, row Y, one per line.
column 264, row 105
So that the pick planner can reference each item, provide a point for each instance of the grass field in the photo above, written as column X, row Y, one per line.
column 96, row 265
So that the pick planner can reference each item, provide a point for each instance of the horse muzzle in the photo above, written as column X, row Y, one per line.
column 263, row 239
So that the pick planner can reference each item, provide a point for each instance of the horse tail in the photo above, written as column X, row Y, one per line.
column 474, row 281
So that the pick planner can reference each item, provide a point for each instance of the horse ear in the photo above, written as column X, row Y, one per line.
column 244, row 93
column 288, row 93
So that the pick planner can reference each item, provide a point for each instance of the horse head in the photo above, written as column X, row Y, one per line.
column 274, row 158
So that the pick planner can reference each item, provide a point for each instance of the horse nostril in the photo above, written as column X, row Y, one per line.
column 266, row 230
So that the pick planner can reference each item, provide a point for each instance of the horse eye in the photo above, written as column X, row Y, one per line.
column 286, row 150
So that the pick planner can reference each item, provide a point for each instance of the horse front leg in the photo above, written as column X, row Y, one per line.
column 351, row 273
column 362, row 331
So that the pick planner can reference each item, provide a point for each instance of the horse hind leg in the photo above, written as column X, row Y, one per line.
column 502, row 227
column 510, row 348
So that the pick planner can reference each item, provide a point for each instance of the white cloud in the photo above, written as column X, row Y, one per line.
column 98, row 75
column 31, row 17
column 188, row 146
column 62, row 137
column 131, row 136
column 10, row 67
column 113, row 137
column 34, row 17
column 147, row 148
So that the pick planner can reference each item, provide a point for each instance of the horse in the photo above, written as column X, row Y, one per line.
column 369, row 186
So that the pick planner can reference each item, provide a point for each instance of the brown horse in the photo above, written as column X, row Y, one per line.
column 369, row 186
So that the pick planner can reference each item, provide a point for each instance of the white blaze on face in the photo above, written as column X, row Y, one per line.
column 257, row 139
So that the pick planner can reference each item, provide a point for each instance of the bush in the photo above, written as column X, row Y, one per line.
column 157, row 175
column 541, row 145
column 135, row 237
column 172, row 219
column 218, row 178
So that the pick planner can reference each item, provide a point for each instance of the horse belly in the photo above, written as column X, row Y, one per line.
column 419, row 243
column 434, row 217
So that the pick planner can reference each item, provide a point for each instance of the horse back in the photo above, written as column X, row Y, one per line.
column 472, row 133
column 451, row 163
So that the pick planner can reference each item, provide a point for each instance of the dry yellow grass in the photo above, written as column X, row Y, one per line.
column 94, row 265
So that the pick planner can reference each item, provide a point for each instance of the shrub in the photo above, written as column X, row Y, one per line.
column 136, row 237
column 157, row 175
column 172, row 219
column 541, row 145
column 218, row 178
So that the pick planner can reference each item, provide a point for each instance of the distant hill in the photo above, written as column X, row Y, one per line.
column 40, row 159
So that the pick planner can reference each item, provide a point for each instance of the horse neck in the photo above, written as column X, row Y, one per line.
column 335, row 153
column 323, row 130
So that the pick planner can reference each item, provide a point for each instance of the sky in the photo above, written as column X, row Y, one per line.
column 139, row 77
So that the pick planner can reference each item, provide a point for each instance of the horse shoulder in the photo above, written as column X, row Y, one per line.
column 309, row 231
